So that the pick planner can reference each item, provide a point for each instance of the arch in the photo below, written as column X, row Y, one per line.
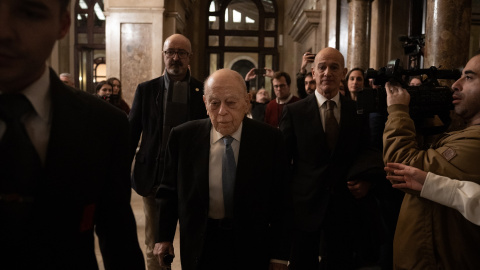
column 242, row 28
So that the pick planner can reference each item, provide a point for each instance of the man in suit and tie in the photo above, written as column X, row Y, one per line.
column 159, row 105
column 64, row 166
column 324, row 134
column 225, row 182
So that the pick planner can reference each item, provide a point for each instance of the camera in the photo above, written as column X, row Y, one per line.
column 426, row 101
column 260, row 71
column 412, row 45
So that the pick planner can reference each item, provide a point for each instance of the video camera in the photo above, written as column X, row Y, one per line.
column 427, row 100
column 412, row 45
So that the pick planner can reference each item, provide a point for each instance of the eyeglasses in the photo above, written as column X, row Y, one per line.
column 279, row 85
column 181, row 54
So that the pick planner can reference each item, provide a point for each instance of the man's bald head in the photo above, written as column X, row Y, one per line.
column 177, row 51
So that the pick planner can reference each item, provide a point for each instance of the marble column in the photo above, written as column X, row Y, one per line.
column 358, row 34
column 447, row 33
column 134, row 41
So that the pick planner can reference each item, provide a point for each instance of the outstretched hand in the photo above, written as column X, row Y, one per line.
column 405, row 176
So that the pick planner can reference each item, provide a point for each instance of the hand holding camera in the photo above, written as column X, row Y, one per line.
column 307, row 58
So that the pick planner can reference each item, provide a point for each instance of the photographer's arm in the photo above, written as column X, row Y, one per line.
column 399, row 137
column 463, row 196
column 250, row 75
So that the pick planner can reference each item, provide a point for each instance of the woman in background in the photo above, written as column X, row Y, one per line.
column 116, row 98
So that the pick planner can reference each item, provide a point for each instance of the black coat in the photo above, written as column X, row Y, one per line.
column 318, row 174
column 146, row 119
column 86, row 186
column 261, row 204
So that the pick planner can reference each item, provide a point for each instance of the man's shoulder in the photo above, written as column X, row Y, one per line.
column 192, row 125
column 272, row 103
column 196, row 83
column 65, row 99
column 261, row 129
column 301, row 104
column 151, row 82
column 294, row 99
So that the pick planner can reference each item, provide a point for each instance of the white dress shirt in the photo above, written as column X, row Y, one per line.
column 217, row 147
column 463, row 196
column 322, row 106
column 38, row 122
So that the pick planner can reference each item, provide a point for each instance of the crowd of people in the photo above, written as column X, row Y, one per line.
column 302, row 185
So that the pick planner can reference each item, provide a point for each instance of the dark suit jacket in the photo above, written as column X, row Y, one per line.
column 319, row 176
column 86, row 186
column 260, row 203
column 146, row 119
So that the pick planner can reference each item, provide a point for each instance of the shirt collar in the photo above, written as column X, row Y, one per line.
column 321, row 99
column 215, row 136
column 39, row 95
column 286, row 101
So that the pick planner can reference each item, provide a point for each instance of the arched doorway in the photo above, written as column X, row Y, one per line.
column 242, row 29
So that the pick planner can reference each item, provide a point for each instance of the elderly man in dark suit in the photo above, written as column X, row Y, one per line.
column 324, row 134
column 63, row 155
column 225, row 182
column 159, row 105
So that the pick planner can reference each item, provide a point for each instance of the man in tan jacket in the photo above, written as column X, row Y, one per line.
column 430, row 235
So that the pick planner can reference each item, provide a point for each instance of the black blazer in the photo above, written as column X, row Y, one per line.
column 86, row 186
column 260, row 203
column 318, row 174
column 146, row 119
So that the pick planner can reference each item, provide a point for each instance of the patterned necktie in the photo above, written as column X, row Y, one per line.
column 229, row 169
column 331, row 125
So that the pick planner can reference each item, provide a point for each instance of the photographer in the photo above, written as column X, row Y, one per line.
column 430, row 235
column 302, row 85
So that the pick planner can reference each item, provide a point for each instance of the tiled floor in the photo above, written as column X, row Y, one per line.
column 137, row 206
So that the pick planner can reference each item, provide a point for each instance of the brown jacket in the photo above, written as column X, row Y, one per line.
column 430, row 235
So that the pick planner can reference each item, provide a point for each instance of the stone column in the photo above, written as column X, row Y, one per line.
column 358, row 33
column 134, row 41
column 447, row 33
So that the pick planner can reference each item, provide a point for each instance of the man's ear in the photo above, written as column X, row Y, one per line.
column 65, row 22
column 345, row 71
column 205, row 102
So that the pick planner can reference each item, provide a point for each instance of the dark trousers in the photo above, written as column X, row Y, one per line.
column 219, row 250
column 335, row 251
column 305, row 250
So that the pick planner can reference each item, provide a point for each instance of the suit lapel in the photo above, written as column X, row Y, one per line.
column 202, row 163
column 158, row 88
column 247, row 159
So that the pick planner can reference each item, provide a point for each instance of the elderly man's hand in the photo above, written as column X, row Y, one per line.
column 405, row 176
column 359, row 188
column 161, row 249
column 396, row 94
